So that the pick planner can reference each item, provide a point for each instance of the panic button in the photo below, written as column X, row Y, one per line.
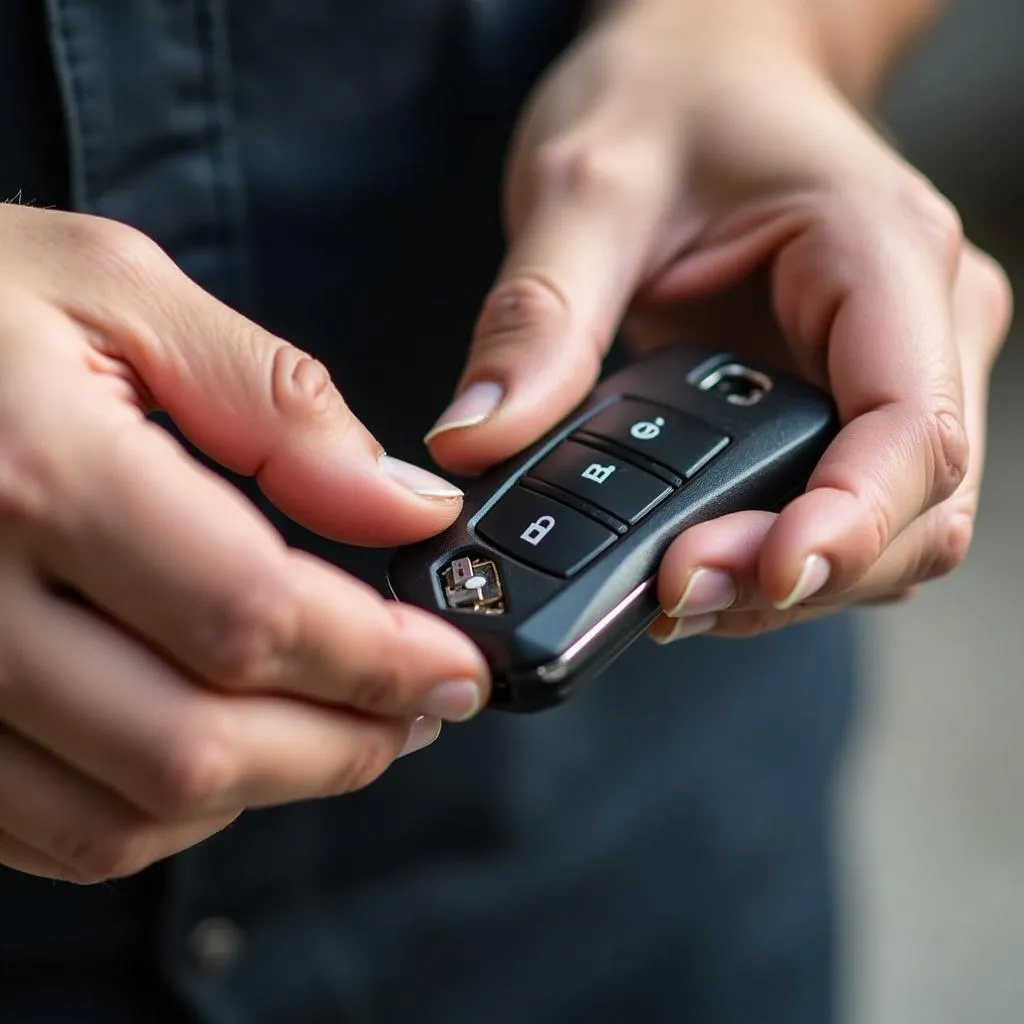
column 544, row 533
column 680, row 442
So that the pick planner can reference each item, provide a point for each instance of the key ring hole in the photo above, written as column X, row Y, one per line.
column 737, row 384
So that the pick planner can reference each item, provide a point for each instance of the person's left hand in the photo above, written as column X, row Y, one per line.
column 655, row 175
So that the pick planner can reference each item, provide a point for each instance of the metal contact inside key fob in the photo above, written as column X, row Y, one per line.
column 473, row 585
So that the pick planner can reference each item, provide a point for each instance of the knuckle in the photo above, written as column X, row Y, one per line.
column 117, row 249
column 876, row 504
column 879, row 530
column 953, row 536
column 248, row 639
column 527, row 302
column 104, row 854
column 936, row 218
column 946, row 436
column 196, row 773
column 300, row 386
column 30, row 483
column 574, row 166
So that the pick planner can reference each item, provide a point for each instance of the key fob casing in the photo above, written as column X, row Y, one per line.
column 550, row 568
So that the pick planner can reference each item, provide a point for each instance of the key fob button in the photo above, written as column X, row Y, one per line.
column 612, row 484
column 544, row 533
column 682, row 443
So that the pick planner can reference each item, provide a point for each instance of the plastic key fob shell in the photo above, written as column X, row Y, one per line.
column 550, row 568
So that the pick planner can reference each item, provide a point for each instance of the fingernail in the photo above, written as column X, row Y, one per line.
column 707, row 591
column 423, row 732
column 420, row 481
column 686, row 628
column 454, row 701
column 813, row 577
column 476, row 404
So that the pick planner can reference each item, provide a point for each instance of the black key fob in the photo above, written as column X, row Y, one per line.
column 550, row 568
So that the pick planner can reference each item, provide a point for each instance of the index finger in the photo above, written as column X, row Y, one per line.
column 879, row 293
column 178, row 557
column 578, row 247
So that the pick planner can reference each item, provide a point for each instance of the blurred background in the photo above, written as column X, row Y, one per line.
column 932, row 804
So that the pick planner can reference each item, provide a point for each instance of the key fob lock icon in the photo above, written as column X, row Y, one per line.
column 538, row 530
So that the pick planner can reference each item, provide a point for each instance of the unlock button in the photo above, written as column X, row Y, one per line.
column 543, row 533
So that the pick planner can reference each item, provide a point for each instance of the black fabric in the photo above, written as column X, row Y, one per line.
column 33, row 167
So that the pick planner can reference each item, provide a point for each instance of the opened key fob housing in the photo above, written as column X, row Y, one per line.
column 550, row 568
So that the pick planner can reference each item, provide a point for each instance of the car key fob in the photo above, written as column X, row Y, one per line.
column 551, row 567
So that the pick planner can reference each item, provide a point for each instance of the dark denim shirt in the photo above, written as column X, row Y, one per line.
column 657, row 849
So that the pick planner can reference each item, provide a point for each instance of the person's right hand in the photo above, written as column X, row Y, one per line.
column 165, row 661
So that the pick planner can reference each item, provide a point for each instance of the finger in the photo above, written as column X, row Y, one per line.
column 879, row 290
column 177, row 555
column 712, row 567
column 107, row 706
column 18, row 856
column 938, row 542
column 88, row 833
column 748, row 622
column 753, row 622
column 255, row 403
column 577, row 252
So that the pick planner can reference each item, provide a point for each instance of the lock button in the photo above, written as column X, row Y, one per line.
column 611, row 483
column 544, row 533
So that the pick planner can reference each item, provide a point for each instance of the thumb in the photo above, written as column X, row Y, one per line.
column 261, row 407
column 551, row 316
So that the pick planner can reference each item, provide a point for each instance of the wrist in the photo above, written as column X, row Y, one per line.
column 852, row 43
column 726, row 30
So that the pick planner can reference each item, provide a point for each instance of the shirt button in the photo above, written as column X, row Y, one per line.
column 215, row 945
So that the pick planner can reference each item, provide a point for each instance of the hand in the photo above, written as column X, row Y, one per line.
column 165, row 661
column 656, row 178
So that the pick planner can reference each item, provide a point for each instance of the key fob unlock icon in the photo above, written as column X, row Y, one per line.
column 538, row 530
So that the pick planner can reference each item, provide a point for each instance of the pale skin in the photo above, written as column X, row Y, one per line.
column 209, row 669
column 743, row 198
